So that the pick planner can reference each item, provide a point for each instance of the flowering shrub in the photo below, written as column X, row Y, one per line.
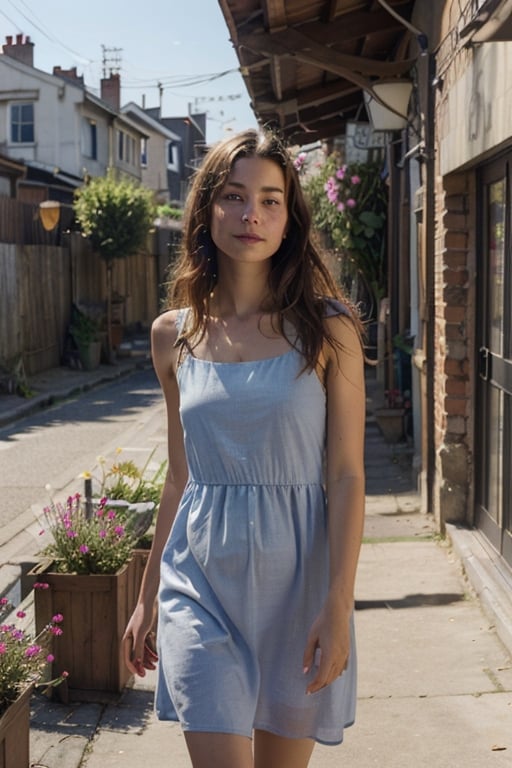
column 97, row 543
column 23, row 659
column 349, row 206
column 125, row 480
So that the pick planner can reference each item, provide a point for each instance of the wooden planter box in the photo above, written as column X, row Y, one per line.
column 14, row 733
column 96, row 609
column 391, row 423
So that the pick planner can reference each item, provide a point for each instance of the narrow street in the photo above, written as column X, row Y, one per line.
column 54, row 446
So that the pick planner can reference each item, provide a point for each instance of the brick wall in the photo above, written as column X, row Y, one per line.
column 454, row 331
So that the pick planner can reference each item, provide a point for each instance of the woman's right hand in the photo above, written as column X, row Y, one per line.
column 138, row 643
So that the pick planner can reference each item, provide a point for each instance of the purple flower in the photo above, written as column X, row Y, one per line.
column 102, row 534
column 50, row 658
column 84, row 549
column 119, row 530
column 71, row 534
column 56, row 631
column 32, row 651
column 3, row 648
column 58, row 618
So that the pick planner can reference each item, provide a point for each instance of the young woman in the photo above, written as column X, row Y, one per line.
column 261, row 518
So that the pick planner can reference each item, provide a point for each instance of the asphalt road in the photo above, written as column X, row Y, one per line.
column 52, row 447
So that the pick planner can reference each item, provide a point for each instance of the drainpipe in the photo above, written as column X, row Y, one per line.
column 430, row 223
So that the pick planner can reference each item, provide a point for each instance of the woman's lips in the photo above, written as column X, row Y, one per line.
column 248, row 238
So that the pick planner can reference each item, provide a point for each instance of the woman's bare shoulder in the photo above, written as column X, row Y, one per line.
column 165, row 327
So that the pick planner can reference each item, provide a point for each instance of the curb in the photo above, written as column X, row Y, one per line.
column 488, row 577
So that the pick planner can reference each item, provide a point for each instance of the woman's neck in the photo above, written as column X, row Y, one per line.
column 241, row 291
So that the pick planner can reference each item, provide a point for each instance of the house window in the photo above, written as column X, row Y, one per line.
column 144, row 152
column 120, row 145
column 22, row 123
column 172, row 156
column 90, row 139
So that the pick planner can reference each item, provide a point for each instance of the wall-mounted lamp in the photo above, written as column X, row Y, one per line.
column 49, row 213
column 387, row 104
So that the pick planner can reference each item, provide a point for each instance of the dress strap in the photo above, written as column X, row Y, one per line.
column 181, row 342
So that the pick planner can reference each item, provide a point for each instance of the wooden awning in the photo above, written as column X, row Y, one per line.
column 306, row 63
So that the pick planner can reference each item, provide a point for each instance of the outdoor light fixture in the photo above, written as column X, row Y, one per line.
column 387, row 104
column 49, row 213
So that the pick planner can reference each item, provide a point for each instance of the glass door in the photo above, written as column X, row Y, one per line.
column 493, row 447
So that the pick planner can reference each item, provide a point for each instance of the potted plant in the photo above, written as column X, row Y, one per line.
column 391, row 416
column 85, row 332
column 116, row 214
column 91, row 569
column 84, row 574
column 24, row 660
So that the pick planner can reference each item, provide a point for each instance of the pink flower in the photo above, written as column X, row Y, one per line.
column 355, row 179
column 50, row 658
column 341, row 207
column 102, row 534
column 111, row 514
column 351, row 203
column 32, row 651
column 84, row 549
column 340, row 173
column 119, row 530
column 58, row 618
column 65, row 674
column 57, row 631
column 3, row 648
column 71, row 534
column 21, row 614
column 41, row 585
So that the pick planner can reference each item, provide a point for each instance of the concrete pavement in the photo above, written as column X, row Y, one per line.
column 435, row 683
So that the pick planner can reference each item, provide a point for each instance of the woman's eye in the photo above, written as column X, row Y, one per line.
column 233, row 196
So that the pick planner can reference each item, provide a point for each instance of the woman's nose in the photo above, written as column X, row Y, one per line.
column 250, row 214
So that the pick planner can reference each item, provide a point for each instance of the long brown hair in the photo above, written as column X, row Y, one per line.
column 298, row 281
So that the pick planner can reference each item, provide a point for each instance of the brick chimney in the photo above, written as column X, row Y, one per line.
column 69, row 74
column 111, row 90
column 22, row 50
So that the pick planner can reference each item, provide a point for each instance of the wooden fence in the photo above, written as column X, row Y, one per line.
column 39, row 284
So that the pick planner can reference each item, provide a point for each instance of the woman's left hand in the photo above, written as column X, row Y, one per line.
column 330, row 635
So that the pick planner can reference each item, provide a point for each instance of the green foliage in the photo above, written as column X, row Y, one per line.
column 83, row 329
column 349, row 206
column 169, row 211
column 125, row 480
column 115, row 214
column 100, row 543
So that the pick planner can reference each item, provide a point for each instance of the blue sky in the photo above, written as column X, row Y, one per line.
column 183, row 44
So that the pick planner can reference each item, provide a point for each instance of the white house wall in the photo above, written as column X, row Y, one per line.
column 476, row 114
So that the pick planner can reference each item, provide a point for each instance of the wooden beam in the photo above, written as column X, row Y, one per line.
column 291, row 42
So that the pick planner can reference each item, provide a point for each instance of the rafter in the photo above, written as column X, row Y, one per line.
column 292, row 42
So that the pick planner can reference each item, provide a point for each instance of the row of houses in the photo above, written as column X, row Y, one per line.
column 55, row 133
column 315, row 70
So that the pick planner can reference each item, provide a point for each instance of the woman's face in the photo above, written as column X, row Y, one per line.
column 250, row 215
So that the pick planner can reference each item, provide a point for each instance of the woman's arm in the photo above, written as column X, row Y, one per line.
column 346, row 410
column 163, row 336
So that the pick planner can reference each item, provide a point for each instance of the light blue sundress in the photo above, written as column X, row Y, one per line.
column 245, row 569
